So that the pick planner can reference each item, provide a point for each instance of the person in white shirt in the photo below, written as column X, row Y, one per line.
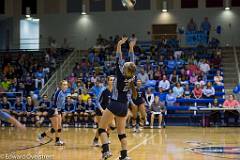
column 164, row 85
column 204, row 67
column 143, row 76
column 149, row 97
column 178, row 90
column 218, row 79
column 209, row 91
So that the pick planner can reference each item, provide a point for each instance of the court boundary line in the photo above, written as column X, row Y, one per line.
column 139, row 144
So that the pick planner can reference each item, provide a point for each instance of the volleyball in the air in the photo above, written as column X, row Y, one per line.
column 129, row 3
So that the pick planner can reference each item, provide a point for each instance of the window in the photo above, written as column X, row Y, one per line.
column 32, row 4
column 74, row 6
column 236, row 3
column 189, row 3
column 97, row 5
column 2, row 6
column 143, row 5
column 117, row 5
column 214, row 3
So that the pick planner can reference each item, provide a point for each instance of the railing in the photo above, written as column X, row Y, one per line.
column 64, row 70
column 236, row 62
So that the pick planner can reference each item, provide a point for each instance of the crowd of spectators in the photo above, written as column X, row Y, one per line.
column 169, row 72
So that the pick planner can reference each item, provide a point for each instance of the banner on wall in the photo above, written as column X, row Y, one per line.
column 196, row 38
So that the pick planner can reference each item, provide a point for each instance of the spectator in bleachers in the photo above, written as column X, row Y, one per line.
column 78, row 87
column 218, row 79
column 143, row 76
column 183, row 80
column 39, row 77
column 5, row 105
column 231, row 102
column 157, row 109
column 72, row 79
column 171, row 63
column 19, row 109
column 171, row 98
column 187, row 92
column 5, row 84
column 215, row 116
column 30, row 110
column 90, row 110
column 150, row 72
column 193, row 78
column 164, row 85
column 69, row 111
column 85, row 96
column 206, row 27
column 209, row 91
column 204, row 67
column 216, row 61
column 191, row 26
column 192, row 68
column 97, row 88
column 149, row 97
column 41, row 110
column 200, row 81
column 173, row 78
column 197, row 91
column 178, row 90
column 73, row 94
column 77, row 70
column 161, row 61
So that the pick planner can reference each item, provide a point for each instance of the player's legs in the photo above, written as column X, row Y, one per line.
column 8, row 118
column 121, row 123
column 143, row 114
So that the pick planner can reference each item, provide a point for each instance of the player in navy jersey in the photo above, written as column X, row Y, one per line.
column 41, row 110
column 118, row 108
column 54, row 114
column 68, row 110
column 80, row 112
column 90, row 110
column 138, row 105
column 30, row 110
column 5, row 109
column 102, row 102
column 19, row 109
column 5, row 105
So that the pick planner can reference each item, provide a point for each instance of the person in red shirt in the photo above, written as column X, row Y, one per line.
column 231, row 103
column 197, row 92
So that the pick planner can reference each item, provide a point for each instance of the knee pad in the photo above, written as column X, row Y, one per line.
column 112, row 128
column 59, row 130
column 52, row 130
column 101, row 130
column 122, row 136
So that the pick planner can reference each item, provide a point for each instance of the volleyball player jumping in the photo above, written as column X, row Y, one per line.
column 118, row 108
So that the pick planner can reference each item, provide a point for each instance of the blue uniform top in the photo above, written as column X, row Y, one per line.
column 5, row 105
column 69, row 107
column 30, row 108
column 19, row 107
column 59, row 100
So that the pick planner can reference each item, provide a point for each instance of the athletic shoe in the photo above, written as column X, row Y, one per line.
column 134, row 129
column 94, row 126
column 40, row 138
column 95, row 144
column 76, row 125
column 159, row 127
column 79, row 125
column 59, row 143
column 86, row 125
column 126, row 158
column 106, row 155
column 147, row 123
column 151, row 127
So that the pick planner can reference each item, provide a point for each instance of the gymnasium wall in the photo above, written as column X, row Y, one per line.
column 82, row 30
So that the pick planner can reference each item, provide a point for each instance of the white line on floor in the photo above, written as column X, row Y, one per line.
column 139, row 144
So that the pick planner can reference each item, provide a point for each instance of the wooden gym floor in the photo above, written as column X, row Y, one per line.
column 172, row 143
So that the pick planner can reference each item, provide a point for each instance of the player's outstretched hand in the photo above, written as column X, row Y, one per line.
column 132, row 44
column 123, row 40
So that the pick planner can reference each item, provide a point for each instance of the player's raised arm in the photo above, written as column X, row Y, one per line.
column 131, row 50
column 119, row 47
